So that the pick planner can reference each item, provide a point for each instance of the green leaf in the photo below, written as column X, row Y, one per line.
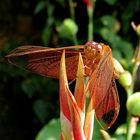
column 109, row 35
column 111, row 2
column 110, row 22
column 127, row 49
column 28, row 87
column 41, row 109
column 121, row 130
column 117, row 54
column 119, row 137
column 51, row 131
column 40, row 6
column 46, row 35
column 138, row 130
column 96, row 133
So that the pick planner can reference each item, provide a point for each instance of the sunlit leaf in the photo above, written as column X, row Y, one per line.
column 51, row 131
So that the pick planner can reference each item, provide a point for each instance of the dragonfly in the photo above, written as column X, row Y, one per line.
column 98, row 65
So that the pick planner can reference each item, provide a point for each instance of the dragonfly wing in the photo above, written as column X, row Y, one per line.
column 100, row 80
column 103, row 91
column 46, row 61
column 108, row 110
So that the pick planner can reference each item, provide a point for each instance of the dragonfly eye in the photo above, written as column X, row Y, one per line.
column 93, row 46
column 97, row 47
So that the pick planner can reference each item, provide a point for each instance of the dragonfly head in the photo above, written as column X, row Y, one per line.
column 93, row 49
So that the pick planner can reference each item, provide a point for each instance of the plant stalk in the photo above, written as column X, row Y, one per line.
column 130, row 90
column 90, row 11
column 72, row 15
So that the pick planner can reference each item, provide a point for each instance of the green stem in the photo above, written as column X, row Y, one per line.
column 129, row 134
column 90, row 11
column 90, row 24
column 75, row 39
column 132, row 127
column 72, row 15
column 129, row 90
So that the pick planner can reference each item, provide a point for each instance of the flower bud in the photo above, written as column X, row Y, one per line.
column 125, row 79
column 138, row 30
column 118, row 67
column 68, row 27
column 133, row 104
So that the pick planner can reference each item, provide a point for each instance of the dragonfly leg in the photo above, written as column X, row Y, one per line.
column 87, row 70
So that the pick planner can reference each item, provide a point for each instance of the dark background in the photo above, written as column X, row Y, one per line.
column 28, row 101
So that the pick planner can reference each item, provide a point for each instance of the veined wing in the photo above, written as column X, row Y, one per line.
column 100, row 79
column 45, row 61
column 108, row 110
column 99, row 85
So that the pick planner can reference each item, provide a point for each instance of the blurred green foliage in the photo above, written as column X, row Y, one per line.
column 48, row 132
column 27, row 101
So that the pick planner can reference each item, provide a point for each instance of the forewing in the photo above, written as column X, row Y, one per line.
column 46, row 61
column 108, row 110
column 100, row 79
column 103, row 91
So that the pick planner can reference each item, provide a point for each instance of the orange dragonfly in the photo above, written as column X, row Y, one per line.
column 97, row 59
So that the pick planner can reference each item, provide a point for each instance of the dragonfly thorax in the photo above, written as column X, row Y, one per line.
column 93, row 53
